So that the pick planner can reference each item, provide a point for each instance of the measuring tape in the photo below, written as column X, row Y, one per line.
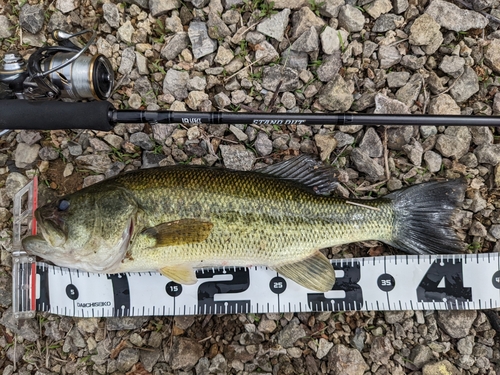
column 401, row 282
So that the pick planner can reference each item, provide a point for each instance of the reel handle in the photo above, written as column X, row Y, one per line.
column 52, row 115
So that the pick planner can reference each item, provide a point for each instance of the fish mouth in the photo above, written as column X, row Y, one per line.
column 52, row 227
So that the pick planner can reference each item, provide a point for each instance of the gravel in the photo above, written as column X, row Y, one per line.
column 371, row 56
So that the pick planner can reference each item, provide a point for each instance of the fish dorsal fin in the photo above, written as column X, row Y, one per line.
column 305, row 170
column 315, row 273
column 179, row 232
column 182, row 274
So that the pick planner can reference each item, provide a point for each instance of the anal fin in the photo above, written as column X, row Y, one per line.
column 315, row 273
column 181, row 274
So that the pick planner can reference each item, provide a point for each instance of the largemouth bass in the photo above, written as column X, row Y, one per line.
column 175, row 219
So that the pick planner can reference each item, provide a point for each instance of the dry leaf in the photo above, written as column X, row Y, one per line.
column 114, row 353
column 138, row 369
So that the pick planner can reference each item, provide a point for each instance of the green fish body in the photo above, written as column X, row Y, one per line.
column 175, row 219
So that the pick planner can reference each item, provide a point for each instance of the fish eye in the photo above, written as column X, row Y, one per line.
column 63, row 205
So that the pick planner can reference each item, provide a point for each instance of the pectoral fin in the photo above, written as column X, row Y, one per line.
column 315, row 273
column 181, row 274
column 179, row 232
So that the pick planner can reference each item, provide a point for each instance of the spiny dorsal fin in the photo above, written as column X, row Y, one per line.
column 315, row 273
column 182, row 274
column 306, row 170
column 179, row 232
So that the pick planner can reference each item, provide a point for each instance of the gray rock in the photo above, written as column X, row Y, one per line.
column 216, row 27
column 388, row 56
column 142, row 140
column 26, row 155
column 31, row 18
column 240, row 134
column 125, row 323
column 66, row 6
column 330, row 41
column 175, row 83
column 267, row 326
column 127, row 358
column 369, row 48
column 275, row 25
column 386, row 105
column 111, row 14
column 331, row 8
column 307, row 42
column 175, row 45
column 160, row 7
column 290, row 334
column 185, row 353
column 203, row 366
column 295, row 60
column 453, row 65
column 75, row 149
column 433, row 161
column 397, row 79
column 414, row 151
column 358, row 339
column 48, row 153
column 58, row 21
column 443, row 105
column 324, row 347
column 488, row 153
column 398, row 136
column 392, row 317
column 303, row 20
column 127, row 61
column 420, row 355
column 237, row 157
column 73, row 341
column 265, row 53
column 195, row 99
column 476, row 229
column 330, row 67
column 481, row 135
column 387, row 22
column 15, row 353
column 381, row 350
column 492, row 55
column 125, row 31
column 454, row 143
column 346, row 361
column 218, row 365
column 336, row 95
column 200, row 3
column 400, row 6
column 465, row 86
column 378, row 7
column 408, row 94
column 149, row 358
column 371, row 144
column 424, row 30
column 201, row 43
column 413, row 62
column 273, row 75
column 5, row 27
column 351, row 18
column 95, row 162
column 456, row 324
column 373, row 170
column 451, row 17
column 29, row 137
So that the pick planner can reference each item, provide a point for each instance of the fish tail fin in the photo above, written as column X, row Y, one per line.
column 423, row 216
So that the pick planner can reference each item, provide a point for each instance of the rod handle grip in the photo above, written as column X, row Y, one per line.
column 52, row 115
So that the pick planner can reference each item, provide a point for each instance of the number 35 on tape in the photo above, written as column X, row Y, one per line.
column 443, row 282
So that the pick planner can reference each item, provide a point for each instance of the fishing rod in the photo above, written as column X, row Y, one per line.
column 101, row 115
column 31, row 96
